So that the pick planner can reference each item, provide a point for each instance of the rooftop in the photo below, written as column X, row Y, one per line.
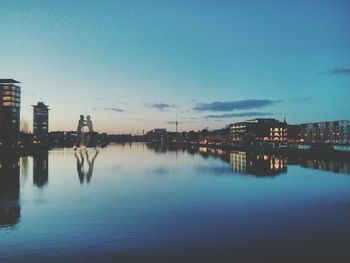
column 8, row 81
column 41, row 105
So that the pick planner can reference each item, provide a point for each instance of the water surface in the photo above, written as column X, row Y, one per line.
column 144, row 203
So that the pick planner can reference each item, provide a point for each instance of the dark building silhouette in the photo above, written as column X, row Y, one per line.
column 10, row 99
column 40, row 123
column 157, row 135
column 10, row 210
column 294, row 133
column 259, row 132
column 41, row 168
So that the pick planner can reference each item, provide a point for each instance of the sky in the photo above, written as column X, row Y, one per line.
column 138, row 65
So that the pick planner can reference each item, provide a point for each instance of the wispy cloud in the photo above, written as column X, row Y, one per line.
column 234, row 105
column 179, row 122
column 113, row 109
column 110, row 109
column 242, row 114
column 163, row 106
column 336, row 71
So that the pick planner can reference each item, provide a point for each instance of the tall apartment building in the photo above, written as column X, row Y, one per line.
column 10, row 104
column 40, row 122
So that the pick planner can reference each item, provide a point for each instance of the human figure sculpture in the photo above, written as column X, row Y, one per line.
column 80, row 139
column 89, row 123
column 81, row 124
column 90, row 130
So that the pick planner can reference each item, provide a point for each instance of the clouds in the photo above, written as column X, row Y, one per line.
column 336, row 71
column 234, row 105
column 236, row 115
column 113, row 109
column 163, row 106
column 179, row 122
column 110, row 109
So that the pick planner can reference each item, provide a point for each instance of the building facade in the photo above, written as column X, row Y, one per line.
column 259, row 131
column 40, row 123
column 333, row 132
column 10, row 99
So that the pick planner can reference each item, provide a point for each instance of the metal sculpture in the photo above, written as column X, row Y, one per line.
column 84, row 132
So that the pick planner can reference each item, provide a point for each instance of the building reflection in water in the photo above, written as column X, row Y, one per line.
column 80, row 157
column 325, row 165
column 259, row 164
column 40, row 168
column 256, row 163
column 10, row 210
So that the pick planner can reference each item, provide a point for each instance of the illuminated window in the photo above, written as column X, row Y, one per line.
column 7, row 98
column 7, row 103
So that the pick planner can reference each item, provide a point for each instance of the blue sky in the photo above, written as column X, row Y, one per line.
column 136, row 65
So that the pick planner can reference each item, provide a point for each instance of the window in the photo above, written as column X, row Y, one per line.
column 8, row 103
column 7, row 98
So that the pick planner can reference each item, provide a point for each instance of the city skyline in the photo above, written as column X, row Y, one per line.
column 136, row 66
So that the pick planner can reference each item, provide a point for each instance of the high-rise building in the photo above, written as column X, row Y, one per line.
column 40, row 122
column 10, row 99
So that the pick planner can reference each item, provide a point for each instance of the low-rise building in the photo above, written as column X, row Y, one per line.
column 333, row 132
column 259, row 131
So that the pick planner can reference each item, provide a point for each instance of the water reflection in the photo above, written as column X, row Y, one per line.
column 10, row 210
column 257, row 163
column 40, row 169
column 91, row 165
column 324, row 165
column 80, row 165
column 176, row 211
column 253, row 163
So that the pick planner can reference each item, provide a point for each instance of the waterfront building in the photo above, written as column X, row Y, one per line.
column 157, row 135
column 216, row 137
column 293, row 133
column 10, row 99
column 259, row 131
column 40, row 123
column 333, row 132
column 160, row 130
column 62, row 138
